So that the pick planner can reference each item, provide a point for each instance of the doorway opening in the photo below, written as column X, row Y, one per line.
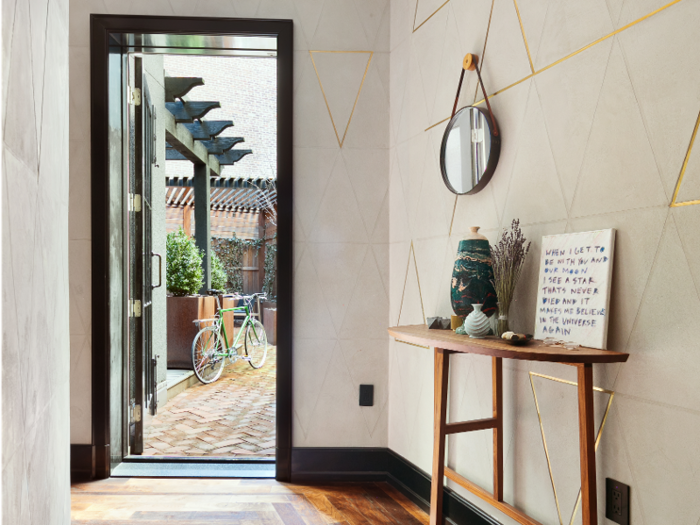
column 198, row 150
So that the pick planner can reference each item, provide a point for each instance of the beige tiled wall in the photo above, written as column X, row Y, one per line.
column 36, row 336
column 341, row 208
column 597, row 102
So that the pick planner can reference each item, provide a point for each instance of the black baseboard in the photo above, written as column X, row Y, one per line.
column 317, row 465
column 82, row 462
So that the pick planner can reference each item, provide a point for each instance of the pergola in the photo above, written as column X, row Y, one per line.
column 189, row 137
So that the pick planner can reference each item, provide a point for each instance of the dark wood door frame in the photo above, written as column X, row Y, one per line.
column 101, row 27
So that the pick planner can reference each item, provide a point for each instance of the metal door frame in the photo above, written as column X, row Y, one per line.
column 107, row 333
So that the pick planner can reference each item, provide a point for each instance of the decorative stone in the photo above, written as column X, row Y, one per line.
column 477, row 324
column 472, row 276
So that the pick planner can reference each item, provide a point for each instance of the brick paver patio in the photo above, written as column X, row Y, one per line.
column 234, row 416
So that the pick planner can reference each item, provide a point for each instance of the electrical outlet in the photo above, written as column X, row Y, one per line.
column 617, row 501
column 366, row 395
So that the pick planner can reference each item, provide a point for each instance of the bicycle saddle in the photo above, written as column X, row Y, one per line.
column 212, row 291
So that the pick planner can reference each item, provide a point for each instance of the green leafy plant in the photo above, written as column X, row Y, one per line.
column 183, row 263
column 218, row 274
column 270, row 270
column 230, row 251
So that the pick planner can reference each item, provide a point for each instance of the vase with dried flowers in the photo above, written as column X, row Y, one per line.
column 508, row 258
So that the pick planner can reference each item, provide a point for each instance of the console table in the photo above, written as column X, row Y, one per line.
column 447, row 342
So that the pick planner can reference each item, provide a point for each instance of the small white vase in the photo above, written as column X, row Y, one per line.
column 477, row 323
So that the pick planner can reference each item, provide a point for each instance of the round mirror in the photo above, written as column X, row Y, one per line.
column 469, row 151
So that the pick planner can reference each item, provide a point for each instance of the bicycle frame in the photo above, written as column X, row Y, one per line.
column 222, row 326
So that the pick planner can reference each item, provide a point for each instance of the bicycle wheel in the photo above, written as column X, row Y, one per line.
column 208, row 355
column 256, row 343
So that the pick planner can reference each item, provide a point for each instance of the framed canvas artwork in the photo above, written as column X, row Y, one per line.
column 573, row 297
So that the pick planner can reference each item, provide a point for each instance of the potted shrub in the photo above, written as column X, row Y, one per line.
column 183, row 278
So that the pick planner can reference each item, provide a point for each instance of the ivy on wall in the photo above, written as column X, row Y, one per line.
column 230, row 251
column 270, row 266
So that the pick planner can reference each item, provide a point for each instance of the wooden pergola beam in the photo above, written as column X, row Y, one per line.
column 189, row 111
column 181, row 140
column 207, row 129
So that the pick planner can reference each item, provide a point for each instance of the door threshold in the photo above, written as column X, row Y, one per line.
column 194, row 467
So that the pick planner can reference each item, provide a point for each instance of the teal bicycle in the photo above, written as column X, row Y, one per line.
column 210, row 347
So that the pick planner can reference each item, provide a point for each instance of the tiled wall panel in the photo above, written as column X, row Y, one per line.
column 35, row 299
column 341, row 208
column 596, row 116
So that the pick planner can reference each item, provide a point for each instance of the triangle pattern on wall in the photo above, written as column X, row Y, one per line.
column 341, row 75
column 425, row 10
column 688, row 187
column 411, row 297
column 563, row 498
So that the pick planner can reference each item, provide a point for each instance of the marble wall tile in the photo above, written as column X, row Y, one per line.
column 313, row 168
column 36, row 348
column 663, row 461
column 340, row 27
column 619, row 171
column 368, row 309
column 535, row 180
column 312, row 357
column 338, row 267
column 505, row 58
column 633, row 11
column 569, row 95
column 660, row 54
column 569, row 26
column 401, row 21
column 662, row 364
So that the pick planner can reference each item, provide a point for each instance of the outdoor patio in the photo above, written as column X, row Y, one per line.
column 232, row 417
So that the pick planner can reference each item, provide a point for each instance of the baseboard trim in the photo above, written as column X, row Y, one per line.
column 318, row 465
column 82, row 462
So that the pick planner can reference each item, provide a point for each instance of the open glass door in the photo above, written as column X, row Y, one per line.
column 142, row 361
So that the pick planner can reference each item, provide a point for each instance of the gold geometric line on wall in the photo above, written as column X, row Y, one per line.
column 431, row 16
column 411, row 252
column 675, row 204
column 454, row 210
column 325, row 99
column 567, row 57
column 611, row 393
column 522, row 30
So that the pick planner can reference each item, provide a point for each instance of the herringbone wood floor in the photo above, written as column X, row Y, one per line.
column 234, row 416
column 143, row 501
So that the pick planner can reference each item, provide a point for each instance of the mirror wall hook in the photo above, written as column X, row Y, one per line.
column 470, row 63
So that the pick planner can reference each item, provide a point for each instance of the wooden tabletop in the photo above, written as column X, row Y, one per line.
column 536, row 350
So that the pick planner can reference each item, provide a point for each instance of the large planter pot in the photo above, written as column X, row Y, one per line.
column 182, row 312
column 472, row 276
column 269, row 321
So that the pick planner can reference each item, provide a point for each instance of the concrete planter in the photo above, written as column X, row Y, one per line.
column 182, row 311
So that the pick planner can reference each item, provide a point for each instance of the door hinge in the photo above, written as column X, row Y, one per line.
column 134, row 308
column 134, row 202
column 135, row 97
column 137, row 413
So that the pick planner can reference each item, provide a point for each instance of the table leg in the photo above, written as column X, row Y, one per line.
column 497, row 396
column 589, row 500
column 442, row 369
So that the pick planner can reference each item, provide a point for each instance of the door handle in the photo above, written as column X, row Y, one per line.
column 160, row 270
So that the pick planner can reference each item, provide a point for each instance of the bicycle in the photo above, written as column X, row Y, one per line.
column 209, row 350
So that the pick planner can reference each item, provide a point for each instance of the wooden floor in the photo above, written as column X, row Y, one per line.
column 143, row 501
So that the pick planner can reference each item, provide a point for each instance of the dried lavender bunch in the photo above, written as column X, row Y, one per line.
column 508, row 258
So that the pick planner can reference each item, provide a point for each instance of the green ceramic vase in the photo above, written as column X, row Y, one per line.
column 472, row 276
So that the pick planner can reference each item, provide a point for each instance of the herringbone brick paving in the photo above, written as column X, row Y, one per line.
column 234, row 416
